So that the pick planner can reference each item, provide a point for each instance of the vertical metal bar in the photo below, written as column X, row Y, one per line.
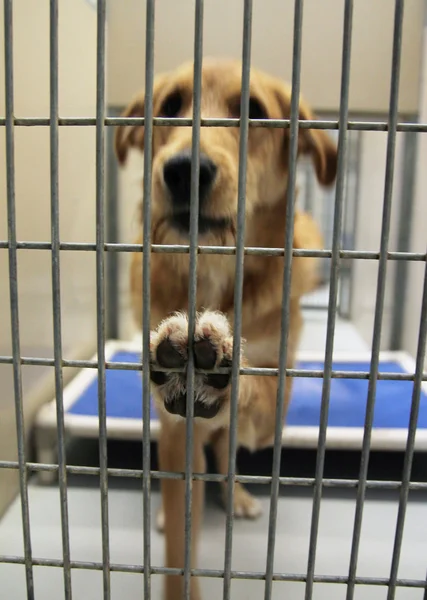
column 406, row 210
column 347, row 221
column 100, row 291
column 358, row 153
column 56, row 293
column 333, row 291
column 409, row 454
column 192, row 291
column 13, row 291
column 309, row 191
column 379, row 305
column 238, row 289
column 113, row 220
column 285, row 312
column 146, row 287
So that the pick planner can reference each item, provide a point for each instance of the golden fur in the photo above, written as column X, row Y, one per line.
column 267, row 177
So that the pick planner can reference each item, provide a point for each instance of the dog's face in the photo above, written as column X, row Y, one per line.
column 268, row 150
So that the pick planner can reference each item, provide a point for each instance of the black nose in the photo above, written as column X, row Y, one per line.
column 177, row 176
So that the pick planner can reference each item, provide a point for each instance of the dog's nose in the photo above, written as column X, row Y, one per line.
column 177, row 176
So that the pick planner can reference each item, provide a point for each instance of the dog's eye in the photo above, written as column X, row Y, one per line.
column 172, row 106
column 256, row 109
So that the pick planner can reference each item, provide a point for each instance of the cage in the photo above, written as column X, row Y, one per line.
column 343, row 487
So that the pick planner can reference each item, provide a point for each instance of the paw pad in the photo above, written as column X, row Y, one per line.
column 212, row 348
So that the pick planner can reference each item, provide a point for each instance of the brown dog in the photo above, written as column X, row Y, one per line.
column 267, row 177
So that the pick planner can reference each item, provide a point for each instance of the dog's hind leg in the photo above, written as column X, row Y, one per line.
column 245, row 505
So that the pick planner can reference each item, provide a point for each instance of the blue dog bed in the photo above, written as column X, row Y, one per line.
column 347, row 397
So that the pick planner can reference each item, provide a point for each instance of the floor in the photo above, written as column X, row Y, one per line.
column 250, row 538
column 249, row 545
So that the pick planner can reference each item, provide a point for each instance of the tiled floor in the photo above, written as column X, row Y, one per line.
column 250, row 538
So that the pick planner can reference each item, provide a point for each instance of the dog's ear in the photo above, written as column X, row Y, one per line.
column 320, row 146
column 130, row 135
column 315, row 142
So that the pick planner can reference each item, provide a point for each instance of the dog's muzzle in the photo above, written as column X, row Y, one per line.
column 177, row 178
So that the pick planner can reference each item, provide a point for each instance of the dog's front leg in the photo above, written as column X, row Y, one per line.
column 172, row 458
column 169, row 347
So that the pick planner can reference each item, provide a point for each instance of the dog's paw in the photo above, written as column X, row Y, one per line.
column 245, row 505
column 212, row 347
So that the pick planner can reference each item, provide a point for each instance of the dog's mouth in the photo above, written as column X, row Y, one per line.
column 181, row 222
column 178, row 406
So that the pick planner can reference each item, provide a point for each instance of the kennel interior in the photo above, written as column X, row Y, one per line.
column 350, row 522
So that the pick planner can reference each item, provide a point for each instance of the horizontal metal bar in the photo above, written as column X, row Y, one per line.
column 178, row 122
column 213, row 573
column 265, row 371
column 418, row 486
column 227, row 250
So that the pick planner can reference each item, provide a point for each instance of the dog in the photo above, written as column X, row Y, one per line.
column 266, row 194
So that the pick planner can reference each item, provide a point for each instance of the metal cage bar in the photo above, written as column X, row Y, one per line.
column 112, row 232
column 192, row 286
column 12, row 245
column 333, row 292
column 406, row 218
column 379, row 303
column 210, row 122
column 271, row 372
column 56, row 295
column 146, row 291
column 238, row 290
column 212, row 477
column 100, row 291
column 13, row 291
column 409, row 454
column 217, row 573
column 285, row 310
column 221, row 250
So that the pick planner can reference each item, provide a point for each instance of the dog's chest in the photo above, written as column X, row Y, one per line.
column 214, row 287
column 211, row 291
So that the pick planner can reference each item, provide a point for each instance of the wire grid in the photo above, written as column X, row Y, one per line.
column 319, row 203
column 336, row 254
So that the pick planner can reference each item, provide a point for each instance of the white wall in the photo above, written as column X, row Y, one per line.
column 77, row 87
column 272, row 46
column 419, row 227
column 369, row 226
column 368, row 233
column 129, row 198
